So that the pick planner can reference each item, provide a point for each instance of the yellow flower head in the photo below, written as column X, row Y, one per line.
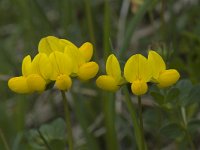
column 35, row 75
column 161, row 75
column 80, row 57
column 113, row 79
column 138, row 72
column 50, row 44
column 62, row 68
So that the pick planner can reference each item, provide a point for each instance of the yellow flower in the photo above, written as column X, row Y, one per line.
column 50, row 44
column 35, row 75
column 138, row 72
column 62, row 68
column 161, row 75
column 113, row 79
column 80, row 57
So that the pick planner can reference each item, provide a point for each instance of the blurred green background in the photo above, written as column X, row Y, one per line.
column 122, row 27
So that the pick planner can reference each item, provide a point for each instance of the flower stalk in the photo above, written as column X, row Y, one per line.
column 141, row 123
column 68, row 121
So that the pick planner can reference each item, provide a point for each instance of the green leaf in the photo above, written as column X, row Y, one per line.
column 172, row 131
column 172, row 95
column 184, row 86
column 194, row 95
column 54, row 134
column 159, row 98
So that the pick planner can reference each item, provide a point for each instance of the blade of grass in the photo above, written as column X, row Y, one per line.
column 4, row 140
column 90, row 24
column 20, row 112
column 82, row 118
column 106, row 35
column 109, row 117
column 65, row 14
column 134, row 23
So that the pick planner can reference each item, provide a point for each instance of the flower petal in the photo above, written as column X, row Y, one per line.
column 106, row 82
column 139, row 87
column 88, row 70
column 41, row 65
column 157, row 63
column 76, row 57
column 50, row 44
column 61, row 64
column 36, row 83
column 168, row 78
column 113, row 68
column 137, row 68
column 87, row 51
column 19, row 85
column 63, row 82
column 26, row 66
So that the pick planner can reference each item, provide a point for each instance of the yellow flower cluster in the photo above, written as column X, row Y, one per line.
column 138, row 71
column 58, row 60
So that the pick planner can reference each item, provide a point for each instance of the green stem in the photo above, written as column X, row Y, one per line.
column 4, row 140
column 141, row 121
column 68, row 122
column 109, row 116
column 184, row 119
column 133, row 114
column 44, row 140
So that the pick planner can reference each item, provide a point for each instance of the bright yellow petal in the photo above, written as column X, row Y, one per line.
column 113, row 68
column 157, row 63
column 41, row 65
column 168, row 78
column 76, row 57
column 137, row 68
column 63, row 82
column 61, row 64
column 64, row 43
column 106, row 82
column 87, row 51
column 36, row 82
column 19, row 85
column 26, row 66
column 139, row 87
column 88, row 70
column 50, row 44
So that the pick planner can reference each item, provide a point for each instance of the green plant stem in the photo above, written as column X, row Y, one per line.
column 109, row 117
column 44, row 140
column 184, row 119
column 133, row 114
column 68, row 121
column 141, row 122
column 4, row 140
